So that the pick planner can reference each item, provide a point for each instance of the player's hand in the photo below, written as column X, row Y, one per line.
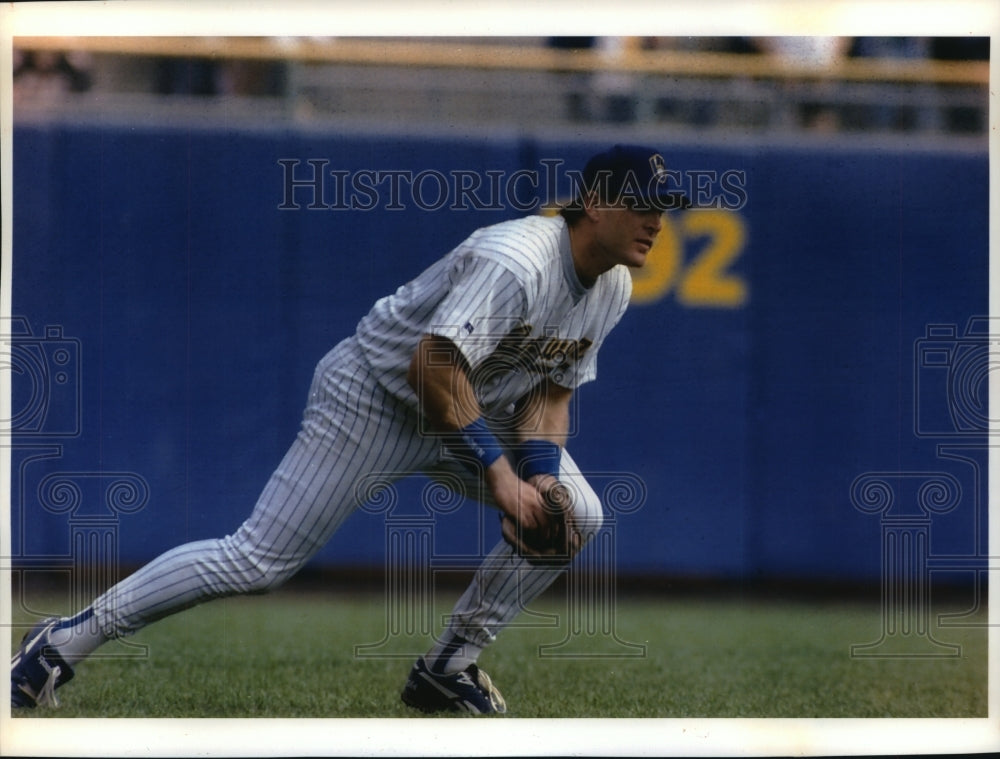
column 556, row 500
column 557, row 539
column 521, row 501
column 555, row 494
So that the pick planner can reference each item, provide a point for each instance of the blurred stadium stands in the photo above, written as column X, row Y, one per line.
column 755, row 86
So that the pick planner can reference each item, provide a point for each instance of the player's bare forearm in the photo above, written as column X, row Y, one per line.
column 447, row 400
column 544, row 413
column 438, row 378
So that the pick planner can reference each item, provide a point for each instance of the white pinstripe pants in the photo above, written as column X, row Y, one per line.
column 352, row 431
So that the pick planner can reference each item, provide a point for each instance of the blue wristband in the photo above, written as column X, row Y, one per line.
column 475, row 443
column 533, row 457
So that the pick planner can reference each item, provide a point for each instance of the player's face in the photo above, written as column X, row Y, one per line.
column 627, row 233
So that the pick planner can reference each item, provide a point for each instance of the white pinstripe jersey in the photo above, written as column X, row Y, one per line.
column 510, row 299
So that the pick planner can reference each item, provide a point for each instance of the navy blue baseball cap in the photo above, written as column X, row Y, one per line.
column 632, row 172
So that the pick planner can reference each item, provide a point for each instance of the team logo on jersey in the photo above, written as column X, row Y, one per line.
column 518, row 351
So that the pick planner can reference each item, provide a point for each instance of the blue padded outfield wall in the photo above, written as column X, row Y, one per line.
column 801, row 377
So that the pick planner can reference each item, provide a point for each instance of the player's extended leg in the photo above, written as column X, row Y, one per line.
column 503, row 586
column 352, row 432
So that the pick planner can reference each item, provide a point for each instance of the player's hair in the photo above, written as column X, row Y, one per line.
column 573, row 212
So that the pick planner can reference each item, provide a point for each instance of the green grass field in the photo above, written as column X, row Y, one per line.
column 292, row 654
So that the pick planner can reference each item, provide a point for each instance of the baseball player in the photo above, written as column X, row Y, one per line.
column 465, row 374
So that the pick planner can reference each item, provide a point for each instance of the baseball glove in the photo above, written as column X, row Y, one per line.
column 554, row 543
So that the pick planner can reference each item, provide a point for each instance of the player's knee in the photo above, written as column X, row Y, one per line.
column 255, row 570
column 268, row 574
column 264, row 578
column 588, row 513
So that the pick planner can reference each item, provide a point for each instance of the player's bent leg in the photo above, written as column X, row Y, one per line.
column 187, row 576
column 503, row 586
column 293, row 519
column 506, row 583
column 176, row 580
column 318, row 484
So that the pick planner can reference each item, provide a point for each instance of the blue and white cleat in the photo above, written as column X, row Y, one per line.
column 470, row 691
column 37, row 669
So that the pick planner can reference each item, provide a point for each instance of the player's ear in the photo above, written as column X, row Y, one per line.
column 592, row 206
